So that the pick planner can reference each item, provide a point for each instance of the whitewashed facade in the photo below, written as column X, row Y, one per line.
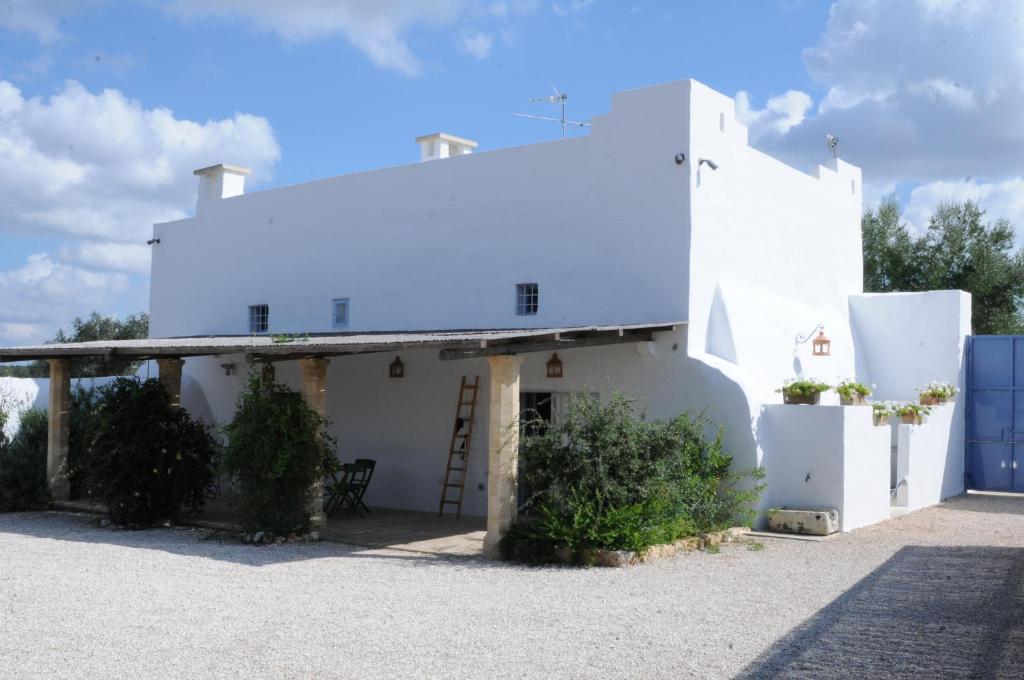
column 624, row 225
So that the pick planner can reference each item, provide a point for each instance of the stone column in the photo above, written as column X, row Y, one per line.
column 60, row 420
column 314, row 393
column 170, row 377
column 502, row 449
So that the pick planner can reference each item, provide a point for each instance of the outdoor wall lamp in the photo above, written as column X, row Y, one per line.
column 228, row 368
column 152, row 241
column 396, row 369
column 554, row 367
column 708, row 162
column 821, row 347
column 680, row 158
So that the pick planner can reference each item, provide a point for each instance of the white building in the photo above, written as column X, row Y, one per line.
column 700, row 258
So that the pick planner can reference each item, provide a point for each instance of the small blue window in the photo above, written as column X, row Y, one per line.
column 259, row 318
column 527, row 299
column 340, row 316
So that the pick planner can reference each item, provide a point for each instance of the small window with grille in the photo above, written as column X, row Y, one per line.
column 527, row 299
column 259, row 318
column 340, row 317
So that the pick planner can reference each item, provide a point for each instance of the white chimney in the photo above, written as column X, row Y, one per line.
column 219, row 181
column 443, row 145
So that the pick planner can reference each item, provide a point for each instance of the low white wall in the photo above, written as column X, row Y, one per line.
column 34, row 393
column 826, row 457
column 930, row 458
column 906, row 340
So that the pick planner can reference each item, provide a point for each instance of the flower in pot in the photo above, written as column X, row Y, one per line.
column 882, row 411
column 936, row 392
column 802, row 391
column 852, row 393
column 911, row 413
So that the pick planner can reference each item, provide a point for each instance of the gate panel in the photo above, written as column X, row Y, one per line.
column 995, row 412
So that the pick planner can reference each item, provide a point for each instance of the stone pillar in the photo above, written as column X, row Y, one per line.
column 314, row 393
column 170, row 377
column 60, row 420
column 502, row 449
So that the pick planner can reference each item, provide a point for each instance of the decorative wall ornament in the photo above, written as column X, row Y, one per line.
column 821, row 347
column 396, row 369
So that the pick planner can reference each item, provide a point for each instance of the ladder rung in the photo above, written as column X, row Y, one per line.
column 451, row 502
column 451, row 486
column 451, row 469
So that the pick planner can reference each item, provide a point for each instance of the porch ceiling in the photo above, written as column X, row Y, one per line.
column 452, row 344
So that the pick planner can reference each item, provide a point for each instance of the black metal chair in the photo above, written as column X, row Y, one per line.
column 347, row 487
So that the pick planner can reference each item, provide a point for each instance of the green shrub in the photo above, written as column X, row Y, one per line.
column 275, row 453
column 23, row 465
column 606, row 478
column 146, row 459
column 84, row 416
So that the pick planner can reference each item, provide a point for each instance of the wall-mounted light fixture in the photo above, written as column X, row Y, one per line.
column 680, row 158
column 708, row 162
column 821, row 347
column 396, row 369
column 554, row 367
column 229, row 368
column 152, row 241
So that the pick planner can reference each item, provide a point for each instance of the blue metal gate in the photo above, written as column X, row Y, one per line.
column 995, row 412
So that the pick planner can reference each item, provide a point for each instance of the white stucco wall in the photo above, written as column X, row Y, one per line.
column 827, row 457
column 599, row 222
column 34, row 393
column 930, row 458
column 906, row 340
column 774, row 252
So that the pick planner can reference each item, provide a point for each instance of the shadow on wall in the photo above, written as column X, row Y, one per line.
column 928, row 612
column 721, row 397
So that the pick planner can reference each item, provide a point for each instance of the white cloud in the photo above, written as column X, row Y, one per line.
column 917, row 91
column 572, row 7
column 41, row 19
column 376, row 28
column 43, row 294
column 998, row 199
column 97, row 170
column 477, row 44
column 780, row 112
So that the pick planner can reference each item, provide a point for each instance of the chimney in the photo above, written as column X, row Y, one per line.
column 219, row 181
column 443, row 145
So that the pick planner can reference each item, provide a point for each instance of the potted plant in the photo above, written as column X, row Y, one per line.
column 911, row 413
column 802, row 391
column 852, row 393
column 935, row 393
column 882, row 411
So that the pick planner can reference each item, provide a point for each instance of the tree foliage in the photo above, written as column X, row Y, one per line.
column 145, row 459
column 23, row 464
column 957, row 252
column 276, row 450
column 94, row 327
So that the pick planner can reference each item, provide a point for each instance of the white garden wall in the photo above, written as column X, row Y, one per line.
column 826, row 457
column 930, row 458
column 34, row 393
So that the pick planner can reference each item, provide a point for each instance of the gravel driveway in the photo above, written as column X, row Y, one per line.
column 938, row 593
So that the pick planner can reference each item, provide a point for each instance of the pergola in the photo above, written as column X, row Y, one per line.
column 502, row 348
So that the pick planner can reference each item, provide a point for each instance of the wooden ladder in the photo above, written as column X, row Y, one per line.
column 458, row 452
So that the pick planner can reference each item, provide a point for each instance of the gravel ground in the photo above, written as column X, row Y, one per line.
column 938, row 593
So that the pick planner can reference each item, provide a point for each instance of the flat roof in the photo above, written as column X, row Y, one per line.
column 454, row 344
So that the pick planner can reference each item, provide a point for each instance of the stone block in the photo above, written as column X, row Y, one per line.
column 814, row 521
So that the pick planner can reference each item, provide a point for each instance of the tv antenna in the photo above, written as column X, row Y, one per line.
column 833, row 145
column 557, row 98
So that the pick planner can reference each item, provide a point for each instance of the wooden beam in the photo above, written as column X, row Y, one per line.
column 547, row 345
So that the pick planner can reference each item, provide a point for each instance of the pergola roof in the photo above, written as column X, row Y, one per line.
column 452, row 344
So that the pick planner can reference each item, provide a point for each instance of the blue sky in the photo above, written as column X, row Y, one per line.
column 106, row 107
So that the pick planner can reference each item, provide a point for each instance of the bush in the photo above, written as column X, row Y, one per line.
column 146, row 459
column 23, row 484
column 84, row 416
column 606, row 478
column 275, row 454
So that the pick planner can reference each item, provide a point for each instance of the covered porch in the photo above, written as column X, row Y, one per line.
column 502, row 351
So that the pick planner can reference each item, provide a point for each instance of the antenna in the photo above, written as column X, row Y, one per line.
column 557, row 98
column 833, row 145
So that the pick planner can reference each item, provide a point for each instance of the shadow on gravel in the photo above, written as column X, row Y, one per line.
column 928, row 612
column 980, row 501
column 194, row 542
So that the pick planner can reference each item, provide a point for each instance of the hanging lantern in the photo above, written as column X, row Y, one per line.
column 822, row 346
column 396, row 369
column 554, row 367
